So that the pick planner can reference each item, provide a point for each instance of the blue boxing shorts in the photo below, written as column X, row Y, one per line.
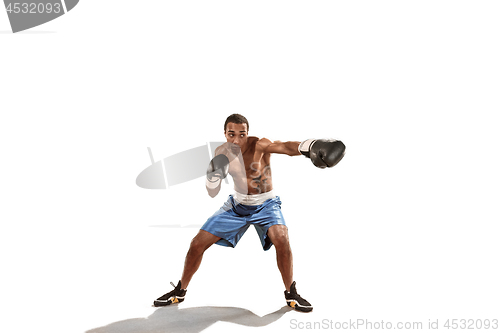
column 232, row 220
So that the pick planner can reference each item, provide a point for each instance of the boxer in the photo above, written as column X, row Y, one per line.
column 248, row 160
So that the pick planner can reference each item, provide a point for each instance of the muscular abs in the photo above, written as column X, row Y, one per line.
column 256, row 177
column 259, row 178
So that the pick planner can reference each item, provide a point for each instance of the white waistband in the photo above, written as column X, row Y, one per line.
column 253, row 199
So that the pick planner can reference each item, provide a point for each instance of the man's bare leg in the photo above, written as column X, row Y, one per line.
column 279, row 236
column 200, row 243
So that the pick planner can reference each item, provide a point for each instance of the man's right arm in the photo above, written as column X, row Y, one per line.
column 217, row 170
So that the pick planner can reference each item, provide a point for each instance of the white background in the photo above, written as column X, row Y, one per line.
column 405, row 228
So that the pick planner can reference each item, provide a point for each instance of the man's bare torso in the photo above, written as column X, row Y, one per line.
column 250, row 169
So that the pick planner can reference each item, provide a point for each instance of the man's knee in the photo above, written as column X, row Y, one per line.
column 279, row 236
column 201, row 242
column 196, row 246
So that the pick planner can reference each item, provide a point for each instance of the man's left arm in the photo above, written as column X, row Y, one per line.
column 323, row 153
column 290, row 148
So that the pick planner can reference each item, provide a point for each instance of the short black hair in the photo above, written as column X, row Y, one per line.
column 237, row 119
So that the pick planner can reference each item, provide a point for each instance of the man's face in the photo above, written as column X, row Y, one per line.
column 237, row 134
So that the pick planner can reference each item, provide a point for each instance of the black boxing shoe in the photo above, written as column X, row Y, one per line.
column 295, row 301
column 175, row 296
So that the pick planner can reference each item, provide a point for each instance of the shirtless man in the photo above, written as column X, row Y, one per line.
column 247, row 160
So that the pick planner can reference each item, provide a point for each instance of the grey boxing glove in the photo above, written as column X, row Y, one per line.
column 323, row 153
column 218, row 169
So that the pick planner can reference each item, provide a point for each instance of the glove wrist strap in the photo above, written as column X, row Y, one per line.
column 212, row 184
column 305, row 146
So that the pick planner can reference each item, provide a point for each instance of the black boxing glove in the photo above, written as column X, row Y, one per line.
column 323, row 153
column 218, row 169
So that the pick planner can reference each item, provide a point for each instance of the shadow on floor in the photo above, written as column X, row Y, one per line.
column 190, row 320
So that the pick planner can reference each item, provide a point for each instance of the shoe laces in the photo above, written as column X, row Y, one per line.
column 178, row 287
